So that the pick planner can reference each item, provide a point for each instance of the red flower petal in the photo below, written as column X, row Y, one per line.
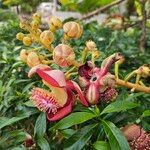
column 34, row 69
column 64, row 111
column 53, row 77
column 75, row 87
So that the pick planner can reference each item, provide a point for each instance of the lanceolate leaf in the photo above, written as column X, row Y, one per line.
column 116, row 139
column 118, row 106
column 40, row 125
column 9, row 121
column 78, row 140
column 101, row 145
column 146, row 113
column 73, row 119
column 43, row 143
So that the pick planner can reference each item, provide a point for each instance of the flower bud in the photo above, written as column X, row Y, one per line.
column 90, row 45
column 96, row 54
column 37, row 17
column 20, row 36
column 55, row 23
column 23, row 55
column 92, row 93
column 108, row 80
column 22, row 24
column 35, row 24
column 27, row 41
column 137, row 137
column 72, row 29
column 144, row 71
column 47, row 37
column 63, row 55
column 28, row 141
column 83, row 82
column 33, row 59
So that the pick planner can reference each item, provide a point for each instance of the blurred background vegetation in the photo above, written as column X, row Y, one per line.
column 18, row 117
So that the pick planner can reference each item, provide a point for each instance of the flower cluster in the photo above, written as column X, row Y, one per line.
column 92, row 85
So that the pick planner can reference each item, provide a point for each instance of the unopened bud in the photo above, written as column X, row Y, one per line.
column 28, row 141
column 72, row 29
column 33, row 59
column 27, row 41
column 90, row 45
column 47, row 37
column 20, row 36
column 63, row 55
column 23, row 55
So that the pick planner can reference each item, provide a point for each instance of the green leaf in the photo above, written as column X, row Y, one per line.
column 29, row 103
column 118, row 106
column 146, row 113
column 101, row 145
column 9, row 121
column 40, row 125
column 43, row 144
column 73, row 119
column 78, row 140
column 67, row 133
column 116, row 139
column 27, row 87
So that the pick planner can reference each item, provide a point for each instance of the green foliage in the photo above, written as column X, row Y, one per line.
column 40, row 125
column 83, row 6
column 80, row 138
column 26, row 6
column 95, row 127
column 116, row 139
column 101, row 145
column 74, row 119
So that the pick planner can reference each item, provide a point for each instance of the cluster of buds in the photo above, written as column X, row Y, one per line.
column 63, row 54
column 137, row 137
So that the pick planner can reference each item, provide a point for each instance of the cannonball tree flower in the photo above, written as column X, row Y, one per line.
column 137, row 137
column 58, row 102
column 98, row 82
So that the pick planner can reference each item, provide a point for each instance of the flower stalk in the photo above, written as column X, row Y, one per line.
column 132, row 85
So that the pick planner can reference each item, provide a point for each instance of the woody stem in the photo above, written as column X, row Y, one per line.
column 132, row 85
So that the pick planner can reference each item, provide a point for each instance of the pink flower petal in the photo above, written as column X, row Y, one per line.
column 64, row 111
column 53, row 77
column 92, row 93
column 75, row 87
column 40, row 66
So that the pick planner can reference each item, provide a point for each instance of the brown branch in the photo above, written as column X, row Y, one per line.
column 143, row 28
column 104, row 8
column 132, row 85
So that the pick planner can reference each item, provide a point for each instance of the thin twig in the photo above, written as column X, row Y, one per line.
column 104, row 8
column 143, row 27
